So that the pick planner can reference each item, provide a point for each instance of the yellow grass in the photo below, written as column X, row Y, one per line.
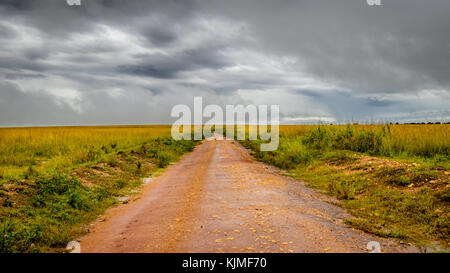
column 60, row 147
column 426, row 139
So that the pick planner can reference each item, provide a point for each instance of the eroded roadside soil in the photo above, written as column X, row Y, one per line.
column 218, row 199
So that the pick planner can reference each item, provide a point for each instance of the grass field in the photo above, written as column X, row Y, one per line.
column 394, row 179
column 430, row 141
column 53, row 181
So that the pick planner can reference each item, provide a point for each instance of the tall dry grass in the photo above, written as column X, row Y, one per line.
column 411, row 140
column 60, row 147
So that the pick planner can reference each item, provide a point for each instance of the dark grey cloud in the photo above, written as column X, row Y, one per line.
column 402, row 46
column 160, row 37
column 17, row 76
column 309, row 93
column 166, row 67
column 19, row 108
column 113, row 61
column 151, row 70
column 17, row 5
column 14, row 63
column 373, row 101
column 6, row 32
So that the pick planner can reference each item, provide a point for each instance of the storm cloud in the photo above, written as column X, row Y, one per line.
column 130, row 62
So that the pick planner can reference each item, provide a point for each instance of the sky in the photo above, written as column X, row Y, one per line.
column 130, row 62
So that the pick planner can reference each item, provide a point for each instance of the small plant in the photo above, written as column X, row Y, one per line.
column 421, row 176
column 119, row 183
column 30, row 173
column 15, row 237
column 92, row 154
column 164, row 159
column 112, row 161
column 57, row 183
column 342, row 189
column 445, row 196
column 7, row 202
column 393, row 175
column 142, row 150
column 104, row 149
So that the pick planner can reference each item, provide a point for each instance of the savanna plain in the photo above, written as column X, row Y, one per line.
column 393, row 179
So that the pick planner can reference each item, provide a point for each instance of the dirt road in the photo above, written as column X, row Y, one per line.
column 218, row 199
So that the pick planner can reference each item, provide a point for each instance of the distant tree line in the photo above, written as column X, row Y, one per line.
column 411, row 123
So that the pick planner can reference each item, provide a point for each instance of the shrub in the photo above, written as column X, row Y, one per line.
column 445, row 196
column 393, row 175
column 164, row 158
column 56, row 184
column 365, row 141
column 342, row 189
column 16, row 237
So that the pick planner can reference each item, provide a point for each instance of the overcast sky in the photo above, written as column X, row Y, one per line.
column 130, row 62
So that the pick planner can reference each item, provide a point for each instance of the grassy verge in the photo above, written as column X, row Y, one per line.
column 392, row 192
column 44, row 208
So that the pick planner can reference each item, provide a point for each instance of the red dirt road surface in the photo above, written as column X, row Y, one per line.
column 218, row 199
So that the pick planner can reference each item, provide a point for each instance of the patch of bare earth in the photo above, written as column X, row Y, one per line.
column 369, row 164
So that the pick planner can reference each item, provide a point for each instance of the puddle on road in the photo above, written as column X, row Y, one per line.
column 146, row 180
column 123, row 198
